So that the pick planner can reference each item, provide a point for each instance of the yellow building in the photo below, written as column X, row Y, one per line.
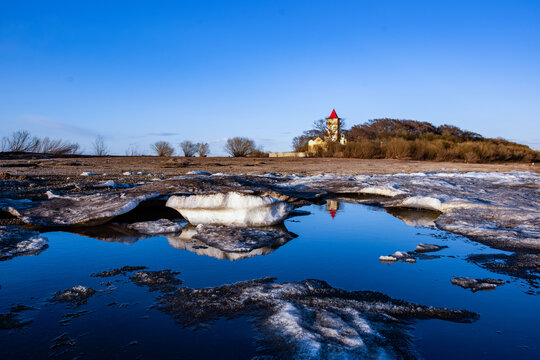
column 333, row 134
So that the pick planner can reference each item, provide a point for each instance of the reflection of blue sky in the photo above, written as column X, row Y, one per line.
column 211, row 70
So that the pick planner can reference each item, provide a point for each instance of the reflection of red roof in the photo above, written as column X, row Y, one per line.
column 332, row 213
column 333, row 115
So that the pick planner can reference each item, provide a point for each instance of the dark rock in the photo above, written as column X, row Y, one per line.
column 123, row 270
column 521, row 265
column 62, row 345
column 477, row 284
column 78, row 294
column 12, row 320
column 424, row 248
column 163, row 280
column 20, row 307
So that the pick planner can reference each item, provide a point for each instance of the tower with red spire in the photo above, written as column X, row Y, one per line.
column 333, row 126
column 333, row 134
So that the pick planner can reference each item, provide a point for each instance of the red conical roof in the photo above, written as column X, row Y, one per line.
column 332, row 213
column 333, row 115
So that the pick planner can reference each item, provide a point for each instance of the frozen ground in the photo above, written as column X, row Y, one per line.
column 302, row 320
column 499, row 209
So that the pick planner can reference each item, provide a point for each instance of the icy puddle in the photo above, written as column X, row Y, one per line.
column 146, row 314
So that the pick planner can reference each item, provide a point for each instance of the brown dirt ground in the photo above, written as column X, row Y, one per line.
column 33, row 165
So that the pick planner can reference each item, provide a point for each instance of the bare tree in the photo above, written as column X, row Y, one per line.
column 22, row 141
column 99, row 146
column 189, row 148
column 240, row 146
column 320, row 126
column 162, row 148
column 57, row 147
column 203, row 149
column 133, row 150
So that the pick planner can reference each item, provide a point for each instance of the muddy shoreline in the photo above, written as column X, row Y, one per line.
column 39, row 165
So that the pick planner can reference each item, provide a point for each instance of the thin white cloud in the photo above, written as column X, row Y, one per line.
column 58, row 125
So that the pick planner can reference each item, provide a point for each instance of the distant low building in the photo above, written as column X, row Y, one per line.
column 333, row 134
column 288, row 154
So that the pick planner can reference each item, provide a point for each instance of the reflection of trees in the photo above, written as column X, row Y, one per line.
column 232, row 243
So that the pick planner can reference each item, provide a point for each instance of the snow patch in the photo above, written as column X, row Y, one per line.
column 198, row 173
column 232, row 208
column 388, row 191
column 422, row 202
column 109, row 183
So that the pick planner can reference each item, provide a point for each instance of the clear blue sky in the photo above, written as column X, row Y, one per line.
column 140, row 71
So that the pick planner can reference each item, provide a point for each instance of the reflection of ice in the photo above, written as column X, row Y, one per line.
column 128, row 233
column 415, row 217
column 232, row 208
column 16, row 241
column 109, row 233
column 161, row 226
column 232, row 243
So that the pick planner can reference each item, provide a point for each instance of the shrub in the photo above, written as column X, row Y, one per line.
column 22, row 141
column 162, row 148
column 363, row 149
column 57, row 147
column 203, row 149
column 240, row 146
column 259, row 152
column 397, row 148
column 188, row 148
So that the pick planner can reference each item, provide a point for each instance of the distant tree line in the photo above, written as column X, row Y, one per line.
column 236, row 147
column 188, row 148
column 416, row 140
column 22, row 141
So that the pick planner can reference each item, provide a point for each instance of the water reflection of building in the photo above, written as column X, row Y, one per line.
column 332, row 206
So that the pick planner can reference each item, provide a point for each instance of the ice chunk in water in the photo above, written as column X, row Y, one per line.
column 233, row 209
column 161, row 226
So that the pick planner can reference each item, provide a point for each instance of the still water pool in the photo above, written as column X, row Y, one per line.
column 343, row 250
